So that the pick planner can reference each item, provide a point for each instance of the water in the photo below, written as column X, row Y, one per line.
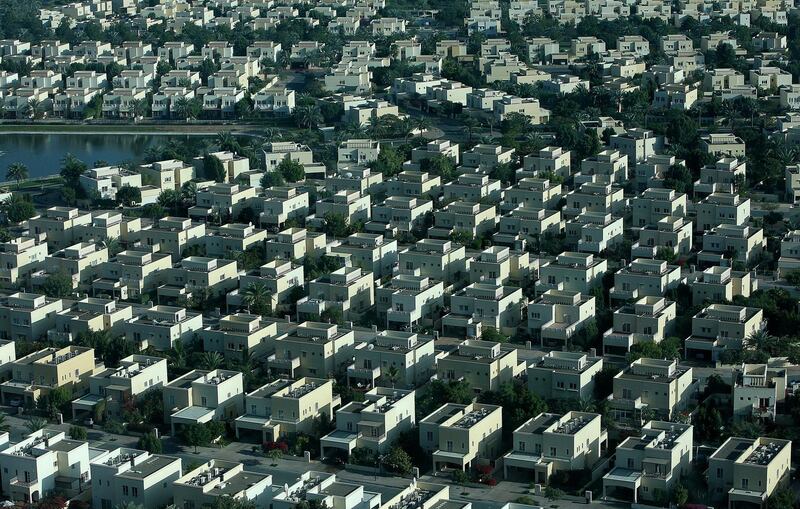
column 42, row 152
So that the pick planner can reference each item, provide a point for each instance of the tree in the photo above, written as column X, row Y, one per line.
column 17, row 172
column 211, row 360
column 783, row 498
column 4, row 426
column 128, row 505
column 78, row 433
column 57, row 285
column 129, row 196
column 492, row 334
column 335, row 225
column 272, row 179
column 308, row 116
column 196, row 435
column 150, row 443
column 228, row 502
column 291, row 170
column 71, row 170
column 440, row 165
column 17, row 209
column 213, row 168
column 399, row 461
column 680, row 495
column 258, row 298
column 679, row 178
column 34, row 424
column 392, row 375
column 275, row 455
column 388, row 163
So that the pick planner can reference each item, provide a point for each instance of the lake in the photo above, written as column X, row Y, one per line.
column 42, row 152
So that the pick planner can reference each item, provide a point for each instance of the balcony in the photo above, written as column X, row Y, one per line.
column 370, row 374
column 641, row 251
column 543, row 286
column 586, row 246
column 558, row 330
column 16, row 482
column 288, row 365
column 399, row 316
column 624, row 294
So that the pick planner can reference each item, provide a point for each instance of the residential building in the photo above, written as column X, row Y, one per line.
column 43, row 463
column 649, row 465
column 240, row 335
column 757, row 390
column 393, row 358
column 558, row 315
column 121, row 386
column 722, row 284
column 131, row 273
column 723, row 144
column 462, row 436
column 727, row 244
column 747, row 471
column 440, row 260
column 19, row 257
column 482, row 364
column 28, row 316
column 282, row 279
column 645, row 278
column 482, row 305
column 201, row 395
column 409, row 300
column 653, row 205
column 648, row 320
column 349, row 291
column 373, row 424
column 578, row 272
column 59, row 224
column 161, row 327
column 38, row 373
column 217, row 480
column 551, row 443
column 721, row 208
column 720, row 327
column 122, row 476
column 659, row 386
column 472, row 218
column 594, row 232
column 312, row 349
column 233, row 238
column 283, row 407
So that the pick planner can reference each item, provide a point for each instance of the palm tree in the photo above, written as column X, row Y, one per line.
column 308, row 116
column 226, row 141
column 470, row 124
column 392, row 375
column 272, row 134
column 35, row 423
column 760, row 340
column 181, row 108
column 139, row 108
column 128, row 505
column 189, row 193
column 34, row 107
column 247, row 365
column 113, row 245
column 211, row 360
column 18, row 172
column 258, row 297
column 177, row 355
column 422, row 124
